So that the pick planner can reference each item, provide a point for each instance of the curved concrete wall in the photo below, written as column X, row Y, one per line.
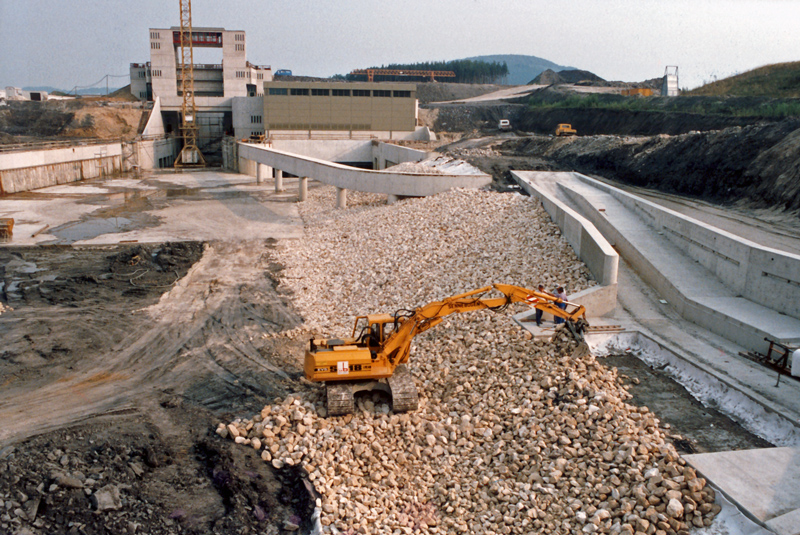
column 351, row 178
column 766, row 276
column 588, row 243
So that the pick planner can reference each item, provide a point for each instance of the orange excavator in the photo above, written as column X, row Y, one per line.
column 375, row 356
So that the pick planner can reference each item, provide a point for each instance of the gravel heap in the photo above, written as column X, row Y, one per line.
column 375, row 258
column 512, row 435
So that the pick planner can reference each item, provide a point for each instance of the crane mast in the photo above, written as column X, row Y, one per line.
column 190, row 155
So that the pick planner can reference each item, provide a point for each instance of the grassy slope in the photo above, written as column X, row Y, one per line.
column 781, row 80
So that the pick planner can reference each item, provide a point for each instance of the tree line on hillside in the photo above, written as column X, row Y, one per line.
column 467, row 71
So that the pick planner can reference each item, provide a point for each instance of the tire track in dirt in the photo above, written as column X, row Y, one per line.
column 207, row 329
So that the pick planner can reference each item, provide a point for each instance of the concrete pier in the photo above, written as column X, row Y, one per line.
column 279, row 181
column 341, row 198
column 303, row 187
column 262, row 171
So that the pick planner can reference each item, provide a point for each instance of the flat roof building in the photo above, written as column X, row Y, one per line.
column 214, row 84
column 340, row 106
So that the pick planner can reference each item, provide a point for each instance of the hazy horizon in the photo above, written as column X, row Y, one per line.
column 67, row 44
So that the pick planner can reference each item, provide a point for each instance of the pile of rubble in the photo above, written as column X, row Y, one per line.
column 512, row 435
column 375, row 258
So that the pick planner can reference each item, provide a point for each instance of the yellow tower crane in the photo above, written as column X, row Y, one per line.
column 190, row 155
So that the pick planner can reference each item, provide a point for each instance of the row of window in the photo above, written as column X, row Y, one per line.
column 337, row 127
column 255, row 119
column 155, row 46
column 166, row 161
column 301, row 92
column 156, row 72
column 238, row 37
column 239, row 48
column 155, row 35
column 142, row 74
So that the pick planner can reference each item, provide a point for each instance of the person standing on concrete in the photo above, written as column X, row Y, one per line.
column 561, row 294
column 539, row 311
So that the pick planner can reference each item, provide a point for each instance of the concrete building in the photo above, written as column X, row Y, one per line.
column 216, row 84
column 385, row 109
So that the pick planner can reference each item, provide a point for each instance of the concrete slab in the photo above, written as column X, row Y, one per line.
column 763, row 483
column 162, row 206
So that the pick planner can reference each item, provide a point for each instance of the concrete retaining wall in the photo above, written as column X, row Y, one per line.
column 385, row 155
column 155, row 153
column 766, row 276
column 28, row 170
column 590, row 246
column 339, row 150
column 350, row 178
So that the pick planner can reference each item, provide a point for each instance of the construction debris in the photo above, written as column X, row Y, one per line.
column 512, row 435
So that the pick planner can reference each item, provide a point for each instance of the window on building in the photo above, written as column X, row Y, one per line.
column 320, row 92
column 155, row 35
column 255, row 119
column 296, row 91
column 260, row 76
column 360, row 92
column 157, row 73
column 381, row 93
column 341, row 92
column 240, row 47
column 155, row 46
column 278, row 91
column 142, row 74
column 402, row 94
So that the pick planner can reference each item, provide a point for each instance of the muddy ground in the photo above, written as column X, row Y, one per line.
column 112, row 387
column 693, row 427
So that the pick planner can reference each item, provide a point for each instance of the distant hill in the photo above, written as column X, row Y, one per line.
column 573, row 76
column 522, row 69
column 781, row 80
column 92, row 91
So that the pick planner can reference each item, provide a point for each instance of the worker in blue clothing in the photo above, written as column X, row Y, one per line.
column 561, row 294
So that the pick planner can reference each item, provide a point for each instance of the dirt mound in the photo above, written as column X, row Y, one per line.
column 128, row 474
column 94, row 117
column 550, row 77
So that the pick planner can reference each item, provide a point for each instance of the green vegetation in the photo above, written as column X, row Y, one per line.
column 781, row 80
column 467, row 71
column 773, row 108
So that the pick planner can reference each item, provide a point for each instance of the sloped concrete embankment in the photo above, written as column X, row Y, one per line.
column 756, row 165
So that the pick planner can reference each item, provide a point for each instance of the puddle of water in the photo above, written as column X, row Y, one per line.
column 91, row 228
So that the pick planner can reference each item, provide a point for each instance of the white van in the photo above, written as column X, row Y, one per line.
column 504, row 124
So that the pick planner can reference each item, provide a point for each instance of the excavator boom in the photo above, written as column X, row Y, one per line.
column 378, row 354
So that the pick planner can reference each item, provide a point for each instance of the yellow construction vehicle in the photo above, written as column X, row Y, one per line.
column 565, row 129
column 374, row 356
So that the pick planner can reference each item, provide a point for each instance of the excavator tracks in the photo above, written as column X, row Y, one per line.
column 404, row 390
column 340, row 398
column 401, row 386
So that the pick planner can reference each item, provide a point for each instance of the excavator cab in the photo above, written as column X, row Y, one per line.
column 373, row 330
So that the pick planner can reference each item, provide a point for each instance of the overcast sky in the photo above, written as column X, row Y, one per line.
column 64, row 43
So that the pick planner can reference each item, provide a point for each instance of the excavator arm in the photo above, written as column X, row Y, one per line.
column 375, row 357
column 396, row 347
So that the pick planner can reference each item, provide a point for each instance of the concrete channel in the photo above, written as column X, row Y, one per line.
column 692, row 266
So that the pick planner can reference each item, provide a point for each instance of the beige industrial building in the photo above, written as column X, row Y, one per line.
column 236, row 98
column 304, row 107
column 219, row 87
